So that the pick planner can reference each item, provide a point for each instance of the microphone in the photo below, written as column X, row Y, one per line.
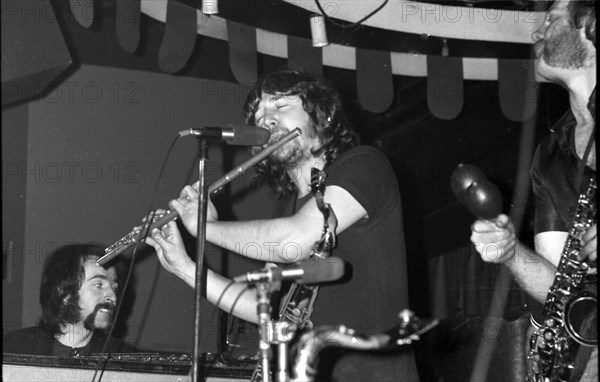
column 233, row 134
column 304, row 272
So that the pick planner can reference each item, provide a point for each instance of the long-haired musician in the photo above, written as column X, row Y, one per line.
column 361, row 189
column 78, row 299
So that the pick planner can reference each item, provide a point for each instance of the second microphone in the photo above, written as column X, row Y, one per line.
column 233, row 134
column 304, row 272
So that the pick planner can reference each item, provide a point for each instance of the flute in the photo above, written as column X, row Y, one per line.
column 135, row 236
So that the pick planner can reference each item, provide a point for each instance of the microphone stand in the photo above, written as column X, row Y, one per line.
column 272, row 333
column 200, row 244
column 263, row 310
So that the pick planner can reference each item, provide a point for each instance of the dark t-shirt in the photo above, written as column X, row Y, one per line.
column 36, row 341
column 374, row 289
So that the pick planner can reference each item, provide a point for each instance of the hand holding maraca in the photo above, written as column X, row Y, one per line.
column 493, row 234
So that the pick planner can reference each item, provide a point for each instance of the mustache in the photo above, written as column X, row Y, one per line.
column 277, row 134
column 88, row 322
column 105, row 305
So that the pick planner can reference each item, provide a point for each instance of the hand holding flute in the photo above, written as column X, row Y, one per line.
column 161, row 220
column 186, row 207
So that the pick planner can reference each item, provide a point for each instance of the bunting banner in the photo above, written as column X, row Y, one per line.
column 83, row 12
column 243, row 60
column 334, row 55
column 303, row 57
column 445, row 86
column 517, row 88
column 127, row 24
column 179, row 38
column 374, row 82
column 446, row 74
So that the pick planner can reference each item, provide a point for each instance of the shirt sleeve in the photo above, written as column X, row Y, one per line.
column 547, row 217
column 367, row 175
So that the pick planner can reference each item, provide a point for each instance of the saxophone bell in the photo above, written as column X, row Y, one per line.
column 581, row 318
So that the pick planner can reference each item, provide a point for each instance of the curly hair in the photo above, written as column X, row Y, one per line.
column 62, row 276
column 327, row 121
column 583, row 14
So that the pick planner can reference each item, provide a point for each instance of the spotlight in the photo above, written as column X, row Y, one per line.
column 318, row 31
column 210, row 7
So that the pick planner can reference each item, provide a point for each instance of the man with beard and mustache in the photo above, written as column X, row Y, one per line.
column 361, row 189
column 78, row 300
column 565, row 48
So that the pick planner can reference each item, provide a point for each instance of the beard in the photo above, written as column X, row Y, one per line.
column 289, row 155
column 565, row 50
column 90, row 322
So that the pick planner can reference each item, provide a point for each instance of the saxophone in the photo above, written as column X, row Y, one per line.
column 297, row 306
column 314, row 340
column 570, row 309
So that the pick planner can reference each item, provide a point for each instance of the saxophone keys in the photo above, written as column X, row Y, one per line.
column 548, row 335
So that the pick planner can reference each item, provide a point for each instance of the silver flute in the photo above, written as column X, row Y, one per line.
column 136, row 235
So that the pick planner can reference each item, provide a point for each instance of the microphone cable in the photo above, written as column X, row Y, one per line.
column 149, row 219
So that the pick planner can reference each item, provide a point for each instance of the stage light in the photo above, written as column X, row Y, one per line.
column 318, row 31
column 210, row 7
